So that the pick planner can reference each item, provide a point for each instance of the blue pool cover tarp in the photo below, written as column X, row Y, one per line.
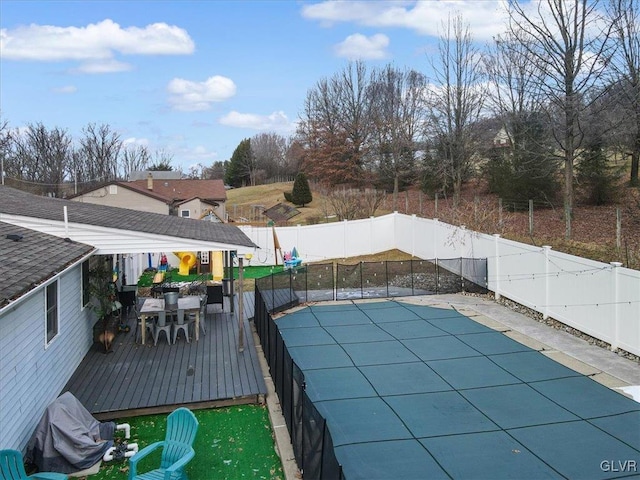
column 416, row 392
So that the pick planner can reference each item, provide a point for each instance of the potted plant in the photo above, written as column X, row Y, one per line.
column 104, row 300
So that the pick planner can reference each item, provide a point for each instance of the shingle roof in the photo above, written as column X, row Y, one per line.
column 17, row 202
column 32, row 259
column 183, row 189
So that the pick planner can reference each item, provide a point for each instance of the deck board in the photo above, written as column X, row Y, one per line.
column 135, row 378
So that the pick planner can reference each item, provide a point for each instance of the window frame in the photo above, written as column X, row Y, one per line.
column 85, row 294
column 51, row 312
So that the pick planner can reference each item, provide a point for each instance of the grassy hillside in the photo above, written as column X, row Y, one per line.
column 594, row 230
column 244, row 205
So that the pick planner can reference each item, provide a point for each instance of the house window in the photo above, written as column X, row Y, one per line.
column 204, row 258
column 113, row 189
column 51, row 301
column 184, row 213
column 86, row 292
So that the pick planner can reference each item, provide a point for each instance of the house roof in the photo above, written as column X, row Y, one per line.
column 183, row 189
column 118, row 230
column 33, row 258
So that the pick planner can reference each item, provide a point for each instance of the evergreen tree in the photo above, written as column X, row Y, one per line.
column 301, row 194
column 237, row 173
column 596, row 176
column 527, row 168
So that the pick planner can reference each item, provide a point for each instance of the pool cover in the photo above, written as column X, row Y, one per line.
column 416, row 392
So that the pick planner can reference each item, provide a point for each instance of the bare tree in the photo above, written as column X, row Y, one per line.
column 524, row 167
column 569, row 50
column 161, row 160
column 269, row 150
column 398, row 113
column 353, row 203
column 455, row 101
column 134, row 158
column 99, row 153
column 335, row 127
column 41, row 157
column 216, row 171
column 5, row 145
column 624, row 15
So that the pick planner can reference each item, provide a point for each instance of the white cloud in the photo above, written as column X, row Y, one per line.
column 358, row 46
column 66, row 89
column 486, row 18
column 277, row 121
column 133, row 141
column 192, row 96
column 96, row 41
column 108, row 65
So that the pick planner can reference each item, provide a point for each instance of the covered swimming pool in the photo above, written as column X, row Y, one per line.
column 413, row 391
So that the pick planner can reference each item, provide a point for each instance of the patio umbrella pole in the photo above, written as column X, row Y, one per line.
column 240, row 305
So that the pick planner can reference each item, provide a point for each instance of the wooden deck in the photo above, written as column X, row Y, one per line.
column 142, row 379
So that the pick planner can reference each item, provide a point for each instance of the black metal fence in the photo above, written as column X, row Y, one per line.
column 310, row 437
column 328, row 281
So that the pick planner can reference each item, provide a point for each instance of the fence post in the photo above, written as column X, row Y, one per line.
column 496, row 238
column 412, row 280
column 413, row 235
column 618, row 228
column 436, row 231
column 386, row 275
column 616, row 308
column 345, row 223
column 530, row 217
column 545, row 308
column 371, row 234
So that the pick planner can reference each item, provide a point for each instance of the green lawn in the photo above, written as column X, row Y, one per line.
column 232, row 443
column 146, row 279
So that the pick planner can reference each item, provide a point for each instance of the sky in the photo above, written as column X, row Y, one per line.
column 194, row 78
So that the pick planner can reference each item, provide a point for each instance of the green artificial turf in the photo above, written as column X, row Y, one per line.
column 232, row 443
column 146, row 279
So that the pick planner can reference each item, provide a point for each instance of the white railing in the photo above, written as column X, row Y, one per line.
column 599, row 299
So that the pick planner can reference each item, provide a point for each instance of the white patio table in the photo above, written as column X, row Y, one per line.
column 152, row 306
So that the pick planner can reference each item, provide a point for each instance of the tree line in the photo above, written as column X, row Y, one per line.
column 551, row 103
column 50, row 161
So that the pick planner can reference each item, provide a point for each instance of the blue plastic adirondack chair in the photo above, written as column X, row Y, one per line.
column 177, row 449
column 12, row 468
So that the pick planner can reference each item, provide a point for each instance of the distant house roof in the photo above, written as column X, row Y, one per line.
column 174, row 191
column 157, row 174
column 29, row 258
column 118, row 230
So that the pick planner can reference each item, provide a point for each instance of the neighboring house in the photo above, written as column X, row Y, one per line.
column 502, row 139
column 45, row 327
column 181, row 197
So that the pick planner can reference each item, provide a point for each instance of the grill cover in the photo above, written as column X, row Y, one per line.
column 68, row 438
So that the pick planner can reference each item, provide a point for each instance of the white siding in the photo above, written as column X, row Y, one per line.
column 32, row 376
column 123, row 198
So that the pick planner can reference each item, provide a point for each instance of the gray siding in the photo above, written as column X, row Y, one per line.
column 32, row 375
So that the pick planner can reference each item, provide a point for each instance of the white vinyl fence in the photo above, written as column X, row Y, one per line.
column 602, row 300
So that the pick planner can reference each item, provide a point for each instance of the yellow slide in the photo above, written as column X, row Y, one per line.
column 187, row 260
column 217, row 266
